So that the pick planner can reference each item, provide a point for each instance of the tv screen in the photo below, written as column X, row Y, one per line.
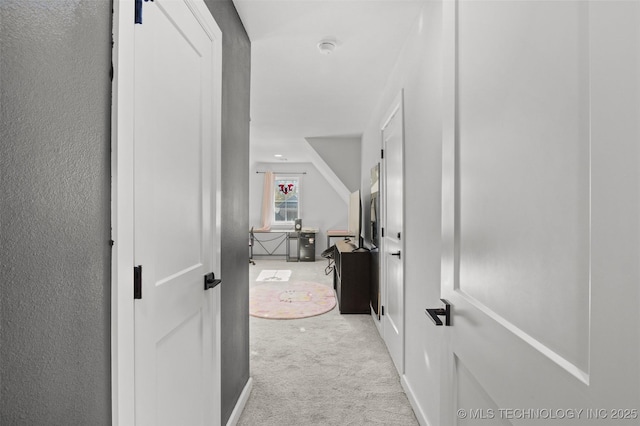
column 375, row 205
column 355, row 216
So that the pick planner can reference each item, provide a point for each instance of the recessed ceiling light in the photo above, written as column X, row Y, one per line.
column 327, row 46
column 277, row 155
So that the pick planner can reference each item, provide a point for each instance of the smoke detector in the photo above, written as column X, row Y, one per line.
column 327, row 46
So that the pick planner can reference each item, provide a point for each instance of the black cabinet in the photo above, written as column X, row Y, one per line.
column 351, row 278
column 307, row 247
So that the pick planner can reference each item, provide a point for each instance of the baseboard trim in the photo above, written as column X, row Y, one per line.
column 417, row 410
column 242, row 401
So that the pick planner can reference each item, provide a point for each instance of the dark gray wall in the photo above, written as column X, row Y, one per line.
column 236, row 70
column 55, row 212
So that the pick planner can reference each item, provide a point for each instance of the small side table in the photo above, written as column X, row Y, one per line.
column 293, row 235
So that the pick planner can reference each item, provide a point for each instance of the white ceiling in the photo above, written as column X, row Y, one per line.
column 296, row 91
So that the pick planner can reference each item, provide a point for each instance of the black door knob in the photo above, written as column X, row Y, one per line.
column 210, row 281
column 436, row 313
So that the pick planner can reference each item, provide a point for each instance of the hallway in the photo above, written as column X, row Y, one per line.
column 331, row 369
column 522, row 209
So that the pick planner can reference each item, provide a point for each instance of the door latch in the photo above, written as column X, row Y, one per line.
column 436, row 313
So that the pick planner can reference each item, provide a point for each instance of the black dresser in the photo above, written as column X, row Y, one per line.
column 351, row 278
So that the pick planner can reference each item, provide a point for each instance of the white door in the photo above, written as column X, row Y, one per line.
column 541, row 208
column 392, row 247
column 176, row 244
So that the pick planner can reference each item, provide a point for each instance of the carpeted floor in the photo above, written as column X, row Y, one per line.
column 325, row 370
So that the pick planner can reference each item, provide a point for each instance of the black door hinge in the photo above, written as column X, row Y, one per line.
column 137, row 282
column 382, row 310
column 137, row 4
column 382, row 232
column 382, row 153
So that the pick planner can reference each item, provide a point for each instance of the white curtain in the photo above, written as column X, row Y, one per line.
column 267, row 201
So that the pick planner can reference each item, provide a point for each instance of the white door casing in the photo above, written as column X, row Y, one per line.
column 393, row 245
column 166, row 161
column 541, row 212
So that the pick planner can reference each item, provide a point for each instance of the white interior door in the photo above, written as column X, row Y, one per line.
column 392, row 248
column 541, row 209
column 175, row 150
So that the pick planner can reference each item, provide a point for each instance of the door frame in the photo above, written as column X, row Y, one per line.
column 122, row 201
column 397, row 106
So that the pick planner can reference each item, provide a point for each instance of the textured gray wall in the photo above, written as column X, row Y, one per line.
column 236, row 69
column 55, row 212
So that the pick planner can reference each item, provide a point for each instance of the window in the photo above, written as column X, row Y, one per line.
column 286, row 199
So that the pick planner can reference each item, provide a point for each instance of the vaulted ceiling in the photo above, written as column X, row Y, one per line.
column 299, row 92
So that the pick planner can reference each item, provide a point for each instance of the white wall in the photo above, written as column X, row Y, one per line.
column 320, row 205
column 343, row 155
column 418, row 72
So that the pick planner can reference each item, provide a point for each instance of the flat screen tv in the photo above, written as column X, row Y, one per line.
column 374, row 222
column 355, row 217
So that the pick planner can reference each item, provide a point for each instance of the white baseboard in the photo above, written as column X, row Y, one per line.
column 417, row 410
column 242, row 401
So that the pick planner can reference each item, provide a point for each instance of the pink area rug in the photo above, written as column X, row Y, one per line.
column 289, row 300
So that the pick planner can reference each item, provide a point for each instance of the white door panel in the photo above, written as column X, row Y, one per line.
column 392, row 246
column 525, row 217
column 175, row 161
column 186, row 407
column 529, row 262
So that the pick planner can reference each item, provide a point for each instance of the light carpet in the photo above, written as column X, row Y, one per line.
column 327, row 370
column 300, row 299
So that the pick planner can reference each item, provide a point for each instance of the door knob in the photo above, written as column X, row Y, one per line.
column 436, row 313
column 210, row 281
column 396, row 254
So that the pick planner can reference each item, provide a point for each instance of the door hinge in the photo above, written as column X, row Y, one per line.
column 382, row 153
column 399, row 236
column 382, row 232
column 137, row 11
column 137, row 282
column 382, row 310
